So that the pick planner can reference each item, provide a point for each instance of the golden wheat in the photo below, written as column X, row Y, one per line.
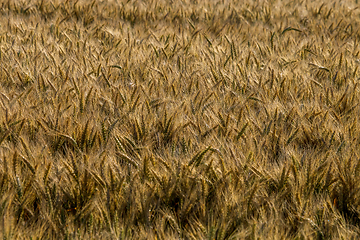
column 179, row 119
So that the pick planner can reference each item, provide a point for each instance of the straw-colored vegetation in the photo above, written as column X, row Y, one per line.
column 179, row 119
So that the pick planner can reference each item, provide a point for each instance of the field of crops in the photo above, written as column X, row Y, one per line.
column 148, row 119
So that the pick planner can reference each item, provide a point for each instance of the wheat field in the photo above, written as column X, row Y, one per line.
column 146, row 119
